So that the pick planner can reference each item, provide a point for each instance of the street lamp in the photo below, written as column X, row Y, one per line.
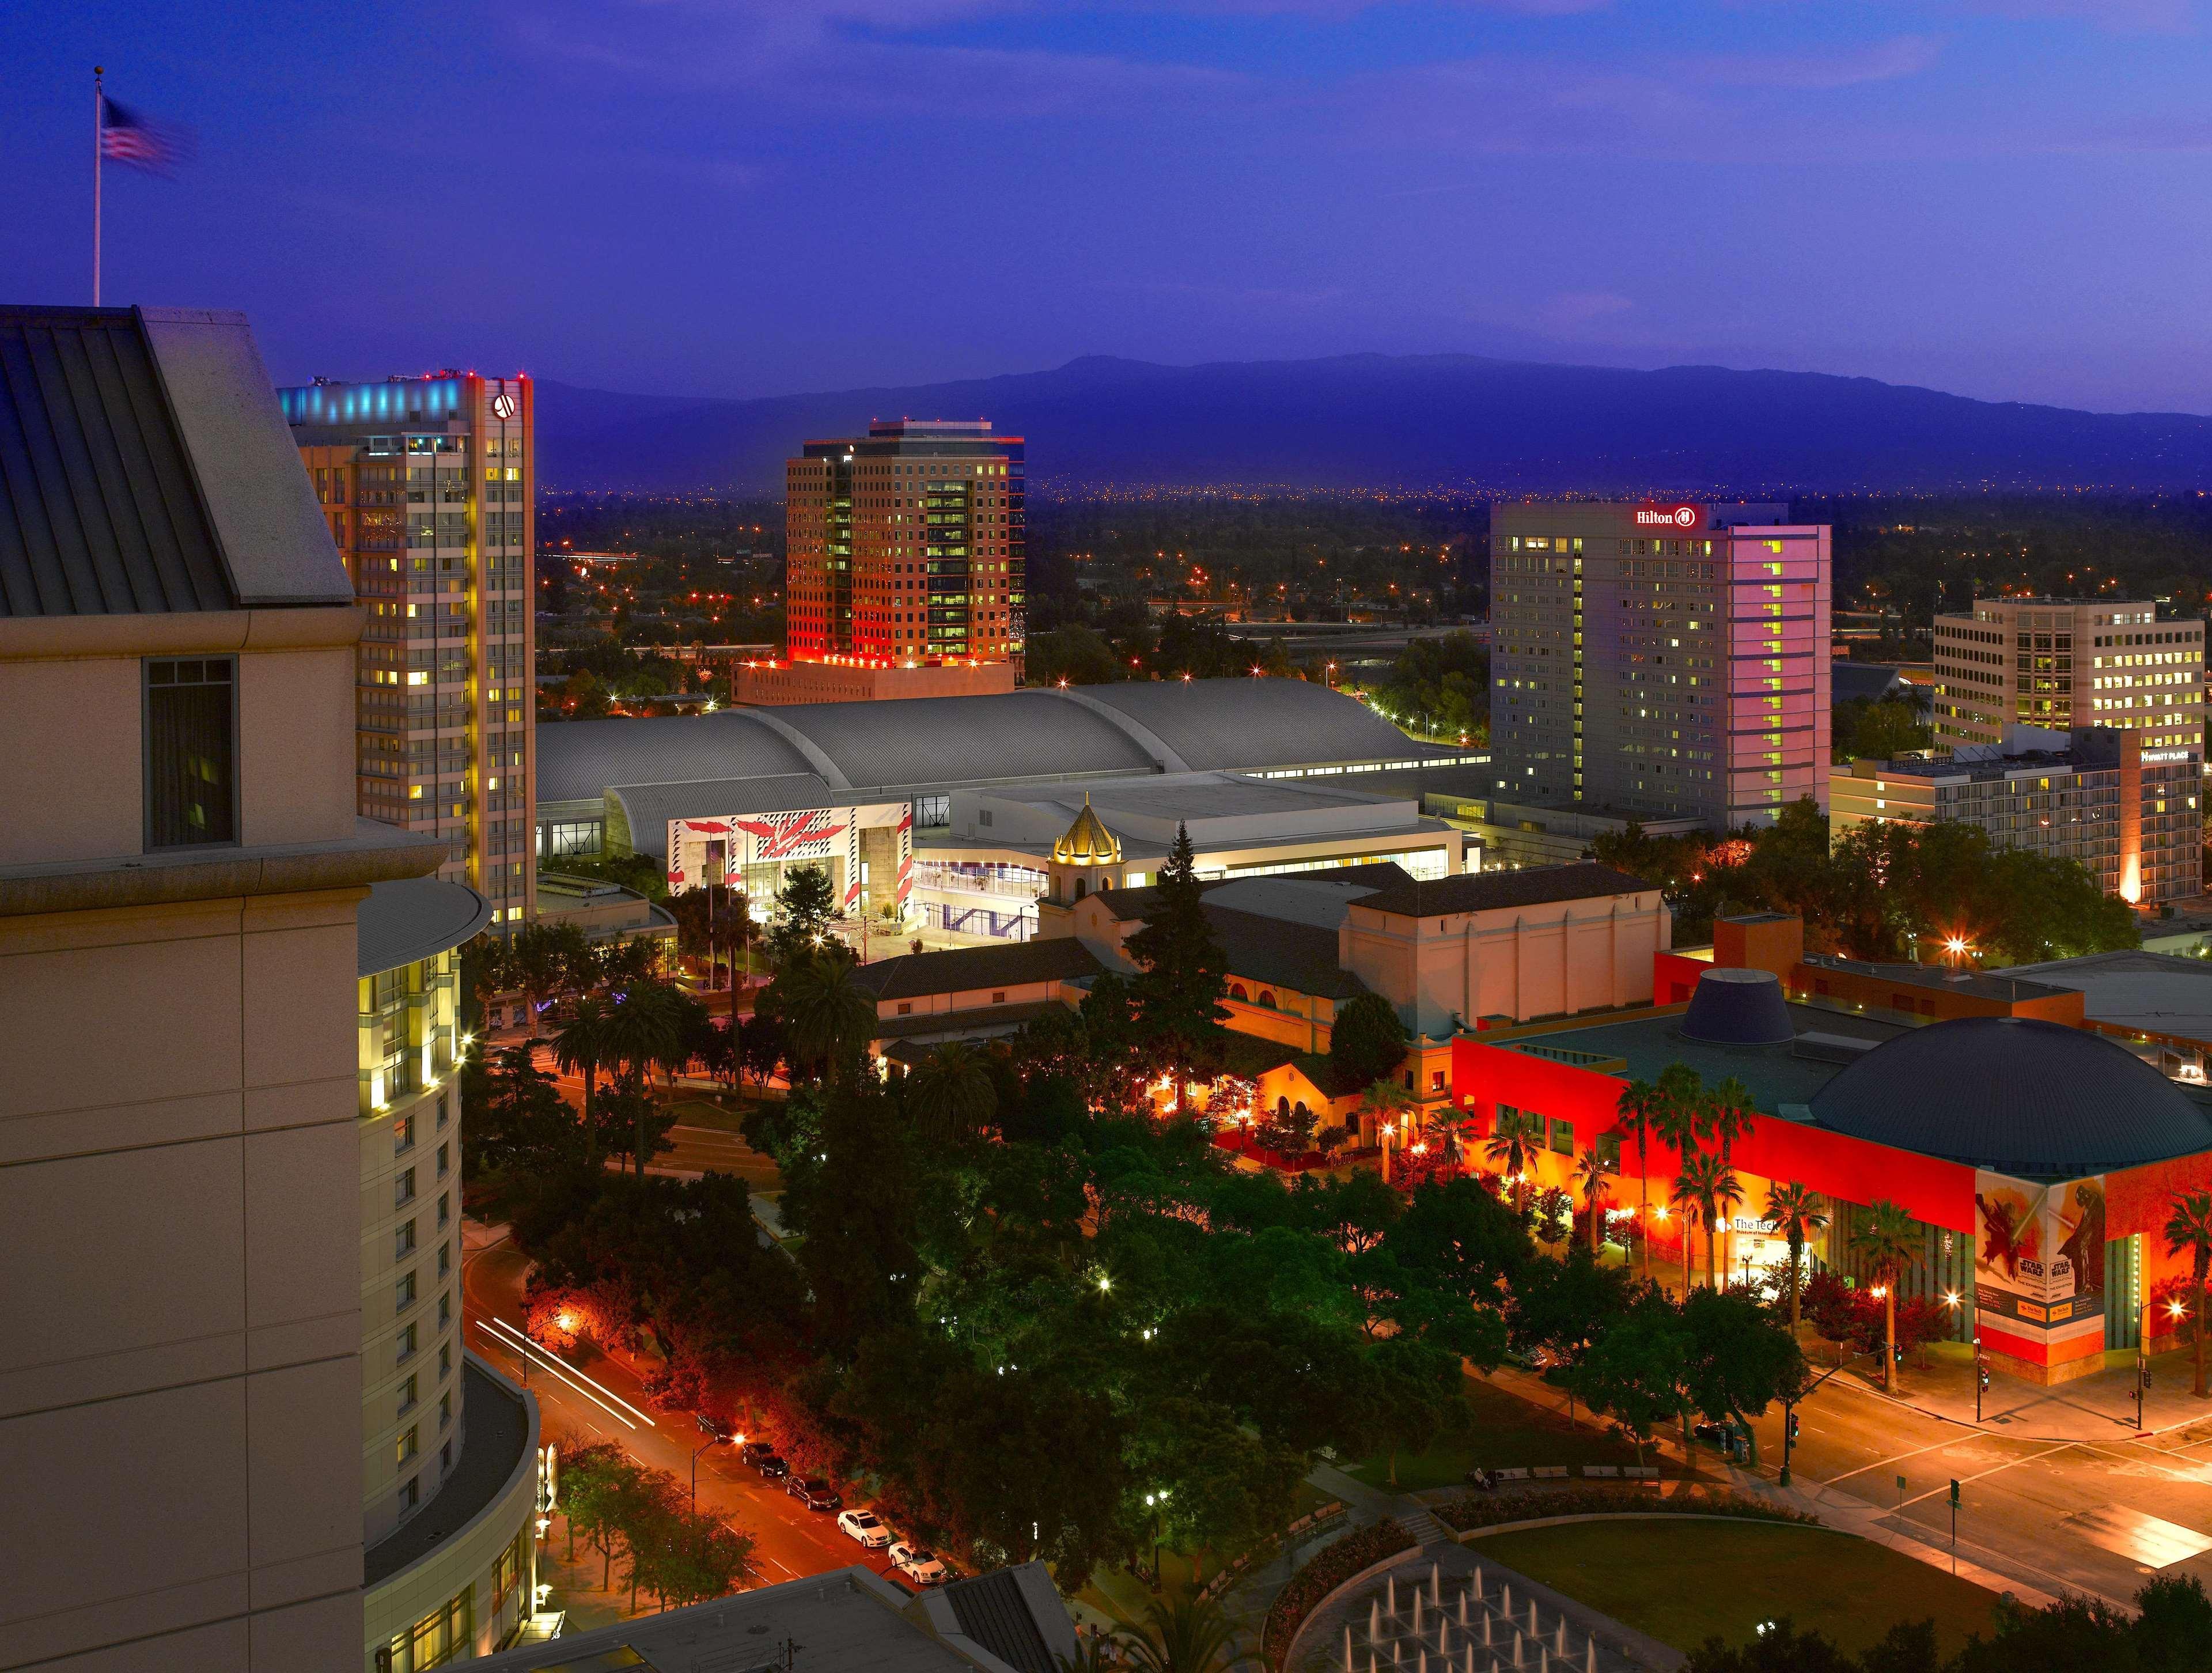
column 716, row 1436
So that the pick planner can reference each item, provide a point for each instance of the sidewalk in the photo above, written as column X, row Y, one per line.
column 2098, row 1408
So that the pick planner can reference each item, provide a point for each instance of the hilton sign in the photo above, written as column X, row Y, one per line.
column 1677, row 517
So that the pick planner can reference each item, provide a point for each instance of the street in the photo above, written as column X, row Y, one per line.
column 604, row 1401
column 2097, row 1515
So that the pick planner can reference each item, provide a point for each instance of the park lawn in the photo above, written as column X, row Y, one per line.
column 1684, row 1581
column 1509, row 1433
column 695, row 1111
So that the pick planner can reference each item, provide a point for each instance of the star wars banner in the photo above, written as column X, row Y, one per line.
column 2039, row 1260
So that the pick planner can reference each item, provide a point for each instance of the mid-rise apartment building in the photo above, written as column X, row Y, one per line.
column 1660, row 660
column 906, row 546
column 427, row 485
column 2062, row 663
column 2095, row 795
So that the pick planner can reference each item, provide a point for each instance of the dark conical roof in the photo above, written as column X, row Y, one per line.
column 1738, row 1007
column 2014, row 1095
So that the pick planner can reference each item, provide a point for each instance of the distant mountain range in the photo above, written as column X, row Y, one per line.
column 1429, row 421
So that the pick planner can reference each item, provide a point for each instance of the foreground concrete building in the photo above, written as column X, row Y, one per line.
column 180, row 868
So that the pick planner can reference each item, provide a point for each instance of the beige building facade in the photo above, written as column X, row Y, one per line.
column 180, row 867
column 2062, row 663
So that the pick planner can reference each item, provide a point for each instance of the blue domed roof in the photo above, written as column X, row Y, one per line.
column 1738, row 1007
column 2014, row 1095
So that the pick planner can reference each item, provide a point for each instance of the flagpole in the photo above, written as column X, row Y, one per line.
column 99, row 145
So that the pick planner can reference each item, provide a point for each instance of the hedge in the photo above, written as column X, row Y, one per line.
column 1331, row 1566
column 1488, row 1510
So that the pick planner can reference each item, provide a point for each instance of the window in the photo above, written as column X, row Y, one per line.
column 403, row 1292
column 999, row 997
column 402, row 1134
column 406, row 1342
column 906, row 1007
column 410, row 1495
column 403, row 1241
column 191, row 751
column 932, row 810
column 442, row 1112
column 445, row 1160
column 444, row 1211
column 408, row 1443
column 407, row 1396
column 445, row 1259
column 446, row 1459
column 403, row 1192
column 1563, row 1135
column 1608, row 1150
column 445, row 1407
column 1436, row 1080
column 446, row 1301
column 444, row 1360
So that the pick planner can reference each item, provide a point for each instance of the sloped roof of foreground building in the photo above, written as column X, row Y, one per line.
column 2035, row 1100
column 1208, row 725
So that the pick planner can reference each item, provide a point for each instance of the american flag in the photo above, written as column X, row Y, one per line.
column 128, row 137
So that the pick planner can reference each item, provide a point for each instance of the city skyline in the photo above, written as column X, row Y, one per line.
column 1917, row 192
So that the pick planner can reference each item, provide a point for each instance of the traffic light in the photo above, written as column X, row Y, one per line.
column 1985, row 1378
column 1793, row 1426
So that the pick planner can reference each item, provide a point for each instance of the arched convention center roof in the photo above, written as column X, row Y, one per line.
column 1246, row 725
column 2014, row 1095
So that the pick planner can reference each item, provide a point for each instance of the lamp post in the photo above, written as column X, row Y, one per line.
column 1981, row 1378
column 716, row 1436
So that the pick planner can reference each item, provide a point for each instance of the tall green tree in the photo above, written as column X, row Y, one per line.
column 1742, row 1360
column 1636, row 1370
column 1635, row 1114
column 1707, row 1187
column 951, row 1095
column 586, row 1045
column 830, row 1018
column 1797, row 1211
column 1887, row 1240
column 805, row 906
column 1182, row 970
column 2189, row 1230
column 1680, row 1122
column 518, row 1119
column 1184, row 1633
column 1367, row 1042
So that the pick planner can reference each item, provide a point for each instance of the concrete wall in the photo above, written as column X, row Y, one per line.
column 1527, row 961
column 180, row 1380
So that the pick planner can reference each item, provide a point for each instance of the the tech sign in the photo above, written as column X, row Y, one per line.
column 1679, row 518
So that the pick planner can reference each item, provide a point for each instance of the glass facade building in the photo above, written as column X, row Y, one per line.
column 907, row 546
column 426, row 484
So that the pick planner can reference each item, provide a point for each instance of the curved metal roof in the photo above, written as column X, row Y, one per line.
column 1213, row 724
column 2014, row 1095
column 409, row 920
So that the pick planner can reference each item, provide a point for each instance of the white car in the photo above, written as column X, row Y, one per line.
column 863, row 1526
column 918, row 1564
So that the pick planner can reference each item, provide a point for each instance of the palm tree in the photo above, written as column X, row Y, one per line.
column 1794, row 1211
column 1512, row 1151
column 1592, row 1175
column 1639, row 1103
column 1729, row 1115
column 646, row 1031
column 952, row 1094
column 2190, row 1228
column 584, row 1046
column 1887, row 1240
column 831, row 1017
column 1678, row 1123
column 1706, row 1187
column 1100, row 1653
column 1186, row 1633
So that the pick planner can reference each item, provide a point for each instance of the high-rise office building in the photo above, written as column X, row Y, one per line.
column 2070, row 662
column 426, row 484
column 1659, row 661
column 906, row 547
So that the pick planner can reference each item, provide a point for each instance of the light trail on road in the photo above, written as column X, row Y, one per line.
column 516, row 1341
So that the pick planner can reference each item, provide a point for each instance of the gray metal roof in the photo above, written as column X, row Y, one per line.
column 402, row 922
column 1281, row 952
column 2016, row 1095
column 144, row 467
column 1257, row 723
column 1487, row 892
column 936, row 743
column 646, row 809
column 967, row 970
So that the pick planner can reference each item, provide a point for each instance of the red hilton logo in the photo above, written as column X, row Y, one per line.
column 1667, row 517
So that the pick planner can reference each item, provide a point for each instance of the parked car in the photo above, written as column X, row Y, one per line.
column 814, row 1493
column 919, row 1564
column 754, row 1450
column 772, row 1467
column 714, row 1427
column 863, row 1526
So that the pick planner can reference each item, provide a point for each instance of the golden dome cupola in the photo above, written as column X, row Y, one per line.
column 1088, row 842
